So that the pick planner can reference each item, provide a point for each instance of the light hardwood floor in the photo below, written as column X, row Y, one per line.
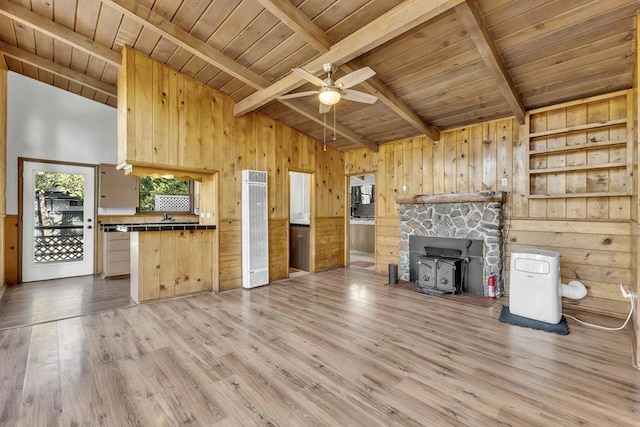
column 40, row 302
column 333, row 348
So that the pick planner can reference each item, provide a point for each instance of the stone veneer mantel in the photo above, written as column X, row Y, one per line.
column 480, row 196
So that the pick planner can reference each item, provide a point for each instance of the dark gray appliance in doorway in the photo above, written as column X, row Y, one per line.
column 299, row 241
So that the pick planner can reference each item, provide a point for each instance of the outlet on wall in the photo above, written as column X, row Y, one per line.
column 504, row 182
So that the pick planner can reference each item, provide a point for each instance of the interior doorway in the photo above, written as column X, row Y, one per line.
column 362, row 224
column 58, row 211
column 299, row 223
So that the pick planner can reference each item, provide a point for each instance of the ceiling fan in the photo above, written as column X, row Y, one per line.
column 331, row 91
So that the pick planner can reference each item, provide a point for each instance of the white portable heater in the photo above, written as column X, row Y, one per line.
column 535, row 290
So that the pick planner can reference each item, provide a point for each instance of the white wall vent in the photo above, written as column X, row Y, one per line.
column 255, row 229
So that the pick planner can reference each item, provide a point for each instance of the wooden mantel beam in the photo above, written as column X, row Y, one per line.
column 471, row 18
column 59, row 32
column 432, row 199
column 202, row 50
column 398, row 20
column 286, row 12
column 57, row 69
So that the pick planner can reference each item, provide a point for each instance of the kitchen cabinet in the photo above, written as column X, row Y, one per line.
column 116, row 253
column 299, row 238
column 116, row 189
column 363, row 237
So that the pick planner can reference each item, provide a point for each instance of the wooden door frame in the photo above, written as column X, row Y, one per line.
column 20, row 245
column 347, row 220
column 312, row 217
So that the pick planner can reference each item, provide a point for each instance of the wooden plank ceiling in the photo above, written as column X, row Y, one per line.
column 439, row 64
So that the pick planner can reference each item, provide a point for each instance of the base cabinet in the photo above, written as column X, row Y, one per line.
column 363, row 238
column 116, row 254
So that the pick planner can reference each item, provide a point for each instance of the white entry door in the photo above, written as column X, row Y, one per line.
column 58, row 226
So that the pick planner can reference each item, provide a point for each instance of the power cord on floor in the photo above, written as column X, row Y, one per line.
column 627, row 293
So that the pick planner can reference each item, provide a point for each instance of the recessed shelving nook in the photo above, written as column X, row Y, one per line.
column 581, row 148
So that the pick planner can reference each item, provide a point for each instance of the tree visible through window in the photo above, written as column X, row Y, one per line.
column 165, row 195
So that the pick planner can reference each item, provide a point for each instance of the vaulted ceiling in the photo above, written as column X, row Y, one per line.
column 439, row 63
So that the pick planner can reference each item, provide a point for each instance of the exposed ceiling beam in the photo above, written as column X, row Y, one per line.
column 398, row 20
column 57, row 69
column 300, row 23
column 209, row 54
column 388, row 98
column 295, row 19
column 59, row 32
column 182, row 38
column 471, row 18
column 312, row 114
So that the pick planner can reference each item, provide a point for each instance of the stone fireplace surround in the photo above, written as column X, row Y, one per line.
column 459, row 215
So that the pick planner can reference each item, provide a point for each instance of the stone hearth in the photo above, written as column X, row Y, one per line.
column 475, row 216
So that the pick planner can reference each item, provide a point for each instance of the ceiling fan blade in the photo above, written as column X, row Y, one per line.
column 352, row 79
column 298, row 94
column 308, row 76
column 324, row 108
column 356, row 95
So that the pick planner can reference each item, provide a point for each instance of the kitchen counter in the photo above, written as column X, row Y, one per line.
column 360, row 221
column 169, row 259
column 155, row 226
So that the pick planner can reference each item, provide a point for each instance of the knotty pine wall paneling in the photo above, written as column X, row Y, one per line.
column 593, row 238
column 3, row 165
column 634, row 106
column 203, row 135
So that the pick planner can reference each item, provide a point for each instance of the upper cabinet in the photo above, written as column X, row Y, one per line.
column 116, row 189
column 165, row 119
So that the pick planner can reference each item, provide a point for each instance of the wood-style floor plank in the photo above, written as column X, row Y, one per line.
column 39, row 302
column 332, row 348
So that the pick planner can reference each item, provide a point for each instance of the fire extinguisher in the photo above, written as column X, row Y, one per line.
column 491, row 286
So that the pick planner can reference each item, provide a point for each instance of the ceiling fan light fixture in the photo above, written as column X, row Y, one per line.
column 329, row 96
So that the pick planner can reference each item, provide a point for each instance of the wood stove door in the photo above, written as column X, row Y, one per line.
column 427, row 272
column 446, row 279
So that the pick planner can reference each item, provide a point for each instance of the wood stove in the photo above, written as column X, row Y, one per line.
column 442, row 270
column 446, row 265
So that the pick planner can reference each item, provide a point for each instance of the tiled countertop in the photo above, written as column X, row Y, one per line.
column 158, row 226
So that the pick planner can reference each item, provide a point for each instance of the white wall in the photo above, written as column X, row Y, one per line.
column 48, row 123
column 299, row 198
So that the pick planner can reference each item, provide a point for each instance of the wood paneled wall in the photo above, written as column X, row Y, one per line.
column 3, row 163
column 593, row 237
column 635, row 253
column 173, row 121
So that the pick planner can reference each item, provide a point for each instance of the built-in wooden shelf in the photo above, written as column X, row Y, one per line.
column 577, row 168
column 578, row 147
column 606, row 139
column 578, row 128
column 575, row 195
